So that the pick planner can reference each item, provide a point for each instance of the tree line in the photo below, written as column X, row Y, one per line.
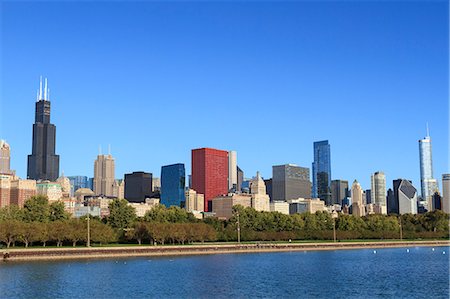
column 44, row 223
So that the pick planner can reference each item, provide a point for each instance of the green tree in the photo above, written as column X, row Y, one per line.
column 138, row 232
column 11, row 212
column 76, row 231
column 36, row 208
column 58, row 232
column 121, row 215
column 57, row 211
column 10, row 231
column 102, row 233
column 29, row 232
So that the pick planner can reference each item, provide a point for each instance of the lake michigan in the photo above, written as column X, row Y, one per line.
column 416, row 272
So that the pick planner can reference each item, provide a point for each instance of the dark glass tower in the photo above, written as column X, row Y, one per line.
column 321, row 168
column 43, row 163
column 173, row 183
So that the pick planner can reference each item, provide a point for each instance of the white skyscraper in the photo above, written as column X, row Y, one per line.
column 358, row 208
column 232, row 170
column 378, row 193
column 428, row 184
column 407, row 198
column 104, row 175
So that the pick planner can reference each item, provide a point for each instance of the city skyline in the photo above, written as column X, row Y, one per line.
column 285, row 139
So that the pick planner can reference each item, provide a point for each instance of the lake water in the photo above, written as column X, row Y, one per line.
column 388, row 273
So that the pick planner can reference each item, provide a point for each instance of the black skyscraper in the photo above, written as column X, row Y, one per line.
column 43, row 163
column 138, row 186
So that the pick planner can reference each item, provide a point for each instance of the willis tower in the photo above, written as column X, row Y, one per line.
column 43, row 163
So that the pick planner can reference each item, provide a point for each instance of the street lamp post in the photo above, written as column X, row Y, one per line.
column 88, row 243
column 334, row 215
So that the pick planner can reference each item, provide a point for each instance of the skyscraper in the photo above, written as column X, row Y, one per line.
column 290, row 181
column 260, row 199
column 428, row 184
column 339, row 191
column 43, row 163
column 240, row 179
column 232, row 170
column 357, row 200
column 173, row 183
column 446, row 192
column 138, row 186
column 77, row 182
column 406, row 196
column 321, row 168
column 210, row 173
column 104, row 175
column 5, row 158
column 378, row 189
column 392, row 201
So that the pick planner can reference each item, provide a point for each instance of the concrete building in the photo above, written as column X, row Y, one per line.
column 428, row 183
column 195, row 202
column 156, row 184
column 378, row 190
column 104, row 175
column 119, row 189
column 321, row 169
column 52, row 190
column 290, row 181
column 81, row 193
column 446, row 193
column 268, row 183
column 260, row 199
column 43, row 163
column 173, row 185
column 143, row 207
column 339, row 191
column 306, row 205
column 232, row 171
column 5, row 190
column 358, row 207
column 210, row 173
column 138, row 186
column 406, row 195
column 222, row 206
column 5, row 158
column 64, row 182
column 21, row 190
column 280, row 206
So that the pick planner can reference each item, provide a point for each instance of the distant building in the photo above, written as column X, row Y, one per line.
column 260, row 199
column 280, row 206
column 173, row 184
column 368, row 196
column 21, row 191
column 64, row 182
column 378, row 191
column 52, row 190
column 446, row 193
column 119, row 188
column 428, row 184
column 437, row 201
column 81, row 193
column 222, row 206
column 392, row 201
column 195, row 202
column 210, row 173
column 143, row 207
column 406, row 195
column 77, row 182
column 104, row 175
column 240, row 179
column 156, row 184
column 321, row 169
column 290, row 181
column 339, row 191
column 5, row 158
column 268, row 183
column 232, row 171
column 358, row 208
column 138, row 186
column 43, row 163
column 303, row 205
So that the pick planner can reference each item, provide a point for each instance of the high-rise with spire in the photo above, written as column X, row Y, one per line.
column 428, row 184
column 43, row 163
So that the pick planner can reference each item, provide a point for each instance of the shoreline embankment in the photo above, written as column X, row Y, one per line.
column 33, row 254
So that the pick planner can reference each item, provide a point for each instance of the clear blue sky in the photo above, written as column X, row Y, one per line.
column 156, row 79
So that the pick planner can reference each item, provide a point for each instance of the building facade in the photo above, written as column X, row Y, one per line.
column 406, row 196
column 321, row 169
column 173, row 184
column 358, row 207
column 138, row 186
column 339, row 191
column 428, row 184
column 78, row 182
column 232, row 171
column 378, row 189
column 43, row 163
column 290, row 181
column 446, row 193
column 210, row 173
column 5, row 158
column 260, row 199
column 222, row 206
column 52, row 190
column 195, row 202
column 104, row 175
column 280, row 207
column 21, row 191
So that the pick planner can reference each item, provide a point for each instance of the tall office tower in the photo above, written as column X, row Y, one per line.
column 290, row 181
column 358, row 208
column 446, row 192
column 392, row 202
column 119, row 188
column 406, row 196
column 268, row 183
column 240, row 179
column 428, row 184
column 194, row 201
column 368, row 196
column 104, row 175
column 260, row 199
column 378, row 190
column 321, row 168
column 339, row 191
column 437, row 202
column 43, row 163
column 173, row 184
column 138, row 186
column 78, row 182
column 232, row 170
column 5, row 158
column 210, row 173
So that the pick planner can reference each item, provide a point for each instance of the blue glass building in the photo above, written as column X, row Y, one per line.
column 77, row 182
column 173, row 180
column 321, row 168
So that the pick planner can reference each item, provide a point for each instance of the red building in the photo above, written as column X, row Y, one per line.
column 210, row 173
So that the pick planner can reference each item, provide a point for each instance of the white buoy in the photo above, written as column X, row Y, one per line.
column 443, row 252
column 432, row 249
column 374, row 251
column 407, row 250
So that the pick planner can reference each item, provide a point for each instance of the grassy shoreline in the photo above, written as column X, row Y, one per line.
column 134, row 250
